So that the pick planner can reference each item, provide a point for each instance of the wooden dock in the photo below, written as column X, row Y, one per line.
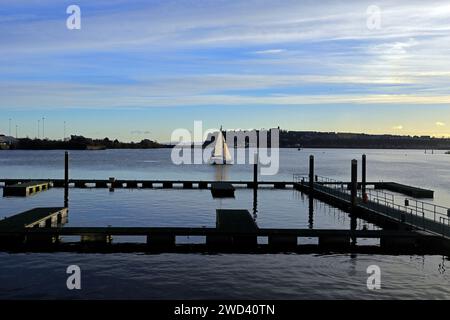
column 35, row 218
column 328, row 240
column 381, row 210
column 150, row 184
column 40, row 229
column 25, row 189
column 390, row 186
column 207, row 184
column 408, row 228
column 405, row 189
column 222, row 190
column 233, row 222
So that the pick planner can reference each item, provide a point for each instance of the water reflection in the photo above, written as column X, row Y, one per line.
column 221, row 172
column 441, row 267
column 255, row 203
column 311, row 213
column 353, row 226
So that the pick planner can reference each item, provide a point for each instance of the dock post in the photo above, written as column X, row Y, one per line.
column 255, row 173
column 255, row 185
column 363, row 176
column 311, row 173
column 66, row 179
column 311, row 213
column 112, row 181
column 354, row 183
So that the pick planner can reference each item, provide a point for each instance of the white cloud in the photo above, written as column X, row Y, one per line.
column 175, row 24
column 440, row 124
column 269, row 51
column 406, row 61
column 143, row 95
column 399, row 127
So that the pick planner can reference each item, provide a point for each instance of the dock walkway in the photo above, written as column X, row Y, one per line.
column 24, row 189
column 166, row 240
column 414, row 214
column 207, row 184
column 37, row 217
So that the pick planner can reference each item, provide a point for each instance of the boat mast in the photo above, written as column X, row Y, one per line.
column 223, row 146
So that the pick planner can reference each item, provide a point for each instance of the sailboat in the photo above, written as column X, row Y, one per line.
column 221, row 154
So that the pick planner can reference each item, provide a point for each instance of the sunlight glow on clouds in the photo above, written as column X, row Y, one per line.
column 151, row 54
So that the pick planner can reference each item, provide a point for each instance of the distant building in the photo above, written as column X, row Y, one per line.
column 7, row 139
column 81, row 139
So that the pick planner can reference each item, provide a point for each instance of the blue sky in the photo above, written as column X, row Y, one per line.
column 140, row 69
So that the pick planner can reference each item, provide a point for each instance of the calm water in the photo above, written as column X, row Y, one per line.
column 188, row 276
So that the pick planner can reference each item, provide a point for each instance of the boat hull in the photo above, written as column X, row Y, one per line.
column 218, row 162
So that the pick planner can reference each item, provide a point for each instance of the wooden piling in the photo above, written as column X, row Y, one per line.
column 161, row 240
column 354, row 182
column 203, row 185
column 101, row 184
column 337, row 241
column 282, row 241
column 255, row 177
column 167, row 185
column 132, row 184
column 311, row 173
column 80, row 184
column 255, row 186
column 279, row 185
column 147, row 184
column 363, row 175
column 311, row 212
column 187, row 185
column 96, row 238
column 66, row 179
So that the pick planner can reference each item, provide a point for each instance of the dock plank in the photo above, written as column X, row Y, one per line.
column 25, row 189
column 232, row 220
column 407, row 190
column 30, row 218
column 222, row 190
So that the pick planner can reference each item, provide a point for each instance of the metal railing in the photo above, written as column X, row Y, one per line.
column 429, row 209
column 424, row 215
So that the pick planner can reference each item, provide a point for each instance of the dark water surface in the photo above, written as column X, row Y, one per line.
column 191, row 276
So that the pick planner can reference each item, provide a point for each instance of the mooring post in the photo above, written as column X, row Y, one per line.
column 255, row 172
column 255, row 185
column 311, row 173
column 66, row 179
column 354, row 183
column 363, row 176
column 311, row 213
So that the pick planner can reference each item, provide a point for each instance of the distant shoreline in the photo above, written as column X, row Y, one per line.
column 445, row 150
column 287, row 139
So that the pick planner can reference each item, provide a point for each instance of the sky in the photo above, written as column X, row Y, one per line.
column 141, row 69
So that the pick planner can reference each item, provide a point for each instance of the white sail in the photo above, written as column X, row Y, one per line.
column 218, row 148
column 221, row 154
column 227, row 155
